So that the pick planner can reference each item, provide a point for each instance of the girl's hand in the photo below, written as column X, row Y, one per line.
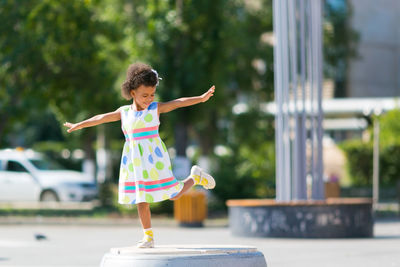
column 208, row 94
column 72, row 126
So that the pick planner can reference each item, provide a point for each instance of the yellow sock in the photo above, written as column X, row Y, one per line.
column 148, row 234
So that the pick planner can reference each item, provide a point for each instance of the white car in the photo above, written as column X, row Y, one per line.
column 30, row 176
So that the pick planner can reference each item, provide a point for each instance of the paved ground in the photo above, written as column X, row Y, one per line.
column 84, row 244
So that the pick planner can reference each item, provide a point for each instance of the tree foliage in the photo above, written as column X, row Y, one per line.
column 339, row 42
column 248, row 169
column 52, row 57
column 66, row 60
column 359, row 154
column 194, row 44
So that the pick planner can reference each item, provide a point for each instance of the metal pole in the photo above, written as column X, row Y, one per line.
column 309, row 77
column 285, row 89
column 316, row 99
column 303, row 131
column 293, row 71
column 319, row 67
column 313, row 100
column 278, row 100
column 375, row 175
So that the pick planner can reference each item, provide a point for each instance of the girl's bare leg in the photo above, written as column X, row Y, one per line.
column 145, row 219
column 187, row 184
column 144, row 214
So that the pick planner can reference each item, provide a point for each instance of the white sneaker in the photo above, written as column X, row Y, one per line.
column 202, row 178
column 145, row 244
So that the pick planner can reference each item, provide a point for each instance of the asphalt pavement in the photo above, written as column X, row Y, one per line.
column 84, row 242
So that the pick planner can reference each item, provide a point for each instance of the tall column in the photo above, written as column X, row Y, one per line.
column 298, row 97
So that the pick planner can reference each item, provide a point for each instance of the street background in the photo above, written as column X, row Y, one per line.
column 84, row 243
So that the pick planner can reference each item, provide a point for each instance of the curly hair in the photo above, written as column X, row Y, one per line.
column 138, row 74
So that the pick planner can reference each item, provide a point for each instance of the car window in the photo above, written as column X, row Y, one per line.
column 1, row 165
column 46, row 164
column 14, row 166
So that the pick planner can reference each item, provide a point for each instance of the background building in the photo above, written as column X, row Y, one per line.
column 375, row 71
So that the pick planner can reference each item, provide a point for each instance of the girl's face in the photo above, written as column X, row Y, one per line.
column 143, row 96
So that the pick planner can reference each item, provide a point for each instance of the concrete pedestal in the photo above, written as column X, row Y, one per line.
column 183, row 256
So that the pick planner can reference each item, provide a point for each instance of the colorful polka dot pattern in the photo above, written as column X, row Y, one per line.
column 145, row 173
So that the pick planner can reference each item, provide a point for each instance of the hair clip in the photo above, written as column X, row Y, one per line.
column 158, row 78
column 153, row 70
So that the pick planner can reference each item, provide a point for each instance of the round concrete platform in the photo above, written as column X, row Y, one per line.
column 185, row 255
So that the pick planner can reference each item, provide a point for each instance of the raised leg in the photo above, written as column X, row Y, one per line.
column 187, row 184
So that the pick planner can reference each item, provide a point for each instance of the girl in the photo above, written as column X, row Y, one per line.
column 145, row 172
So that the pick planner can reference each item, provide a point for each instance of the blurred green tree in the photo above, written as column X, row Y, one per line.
column 247, row 169
column 195, row 44
column 359, row 154
column 339, row 43
column 72, row 55
column 390, row 128
column 20, row 91
column 53, row 54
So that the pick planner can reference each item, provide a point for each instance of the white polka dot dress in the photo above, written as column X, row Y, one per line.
column 145, row 173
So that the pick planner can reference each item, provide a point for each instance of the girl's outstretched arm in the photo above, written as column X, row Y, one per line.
column 95, row 120
column 185, row 101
